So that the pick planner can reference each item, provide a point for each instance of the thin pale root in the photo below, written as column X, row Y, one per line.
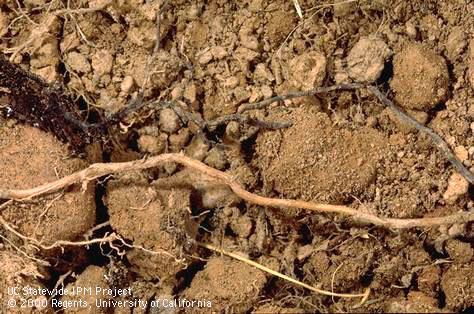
column 364, row 295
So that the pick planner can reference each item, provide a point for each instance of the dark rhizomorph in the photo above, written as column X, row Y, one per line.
column 29, row 99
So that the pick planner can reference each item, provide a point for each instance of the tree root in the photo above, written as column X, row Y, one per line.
column 102, row 169
column 109, row 238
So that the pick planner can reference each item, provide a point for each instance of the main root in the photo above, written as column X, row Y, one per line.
column 102, row 169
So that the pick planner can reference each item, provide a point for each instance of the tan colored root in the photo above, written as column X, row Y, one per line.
column 364, row 296
column 108, row 238
column 26, row 255
column 102, row 169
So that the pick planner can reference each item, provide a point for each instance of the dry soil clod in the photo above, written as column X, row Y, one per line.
column 163, row 219
column 420, row 78
column 343, row 165
column 29, row 157
column 367, row 58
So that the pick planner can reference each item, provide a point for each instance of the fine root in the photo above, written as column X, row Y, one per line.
column 108, row 238
column 364, row 296
column 438, row 142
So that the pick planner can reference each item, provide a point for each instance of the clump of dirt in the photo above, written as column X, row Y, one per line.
column 367, row 58
column 428, row 280
column 420, row 78
column 458, row 287
column 29, row 158
column 89, row 287
column 225, row 283
column 313, row 161
column 19, row 273
column 308, row 70
column 457, row 187
column 415, row 303
column 460, row 252
column 279, row 24
column 156, row 220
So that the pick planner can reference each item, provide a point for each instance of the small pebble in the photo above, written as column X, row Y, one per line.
column 308, row 70
column 456, row 42
column 461, row 152
column 456, row 230
column 232, row 131
column 371, row 121
column 205, row 58
column 151, row 144
column 410, row 30
column 457, row 187
column 242, row 226
column 471, row 151
column 179, row 140
column 470, row 205
column 366, row 60
column 198, row 148
column 190, row 93
column 127, row 84
column 177, row 92
column 216, row 159
column 169, row 121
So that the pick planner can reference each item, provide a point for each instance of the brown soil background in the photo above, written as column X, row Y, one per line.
column 343, row 148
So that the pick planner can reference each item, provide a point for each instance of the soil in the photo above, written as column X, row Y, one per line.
column 328, row 165
column 342, row 148
column 31, row 157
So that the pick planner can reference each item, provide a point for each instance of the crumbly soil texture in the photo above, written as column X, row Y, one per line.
column 100, row 59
